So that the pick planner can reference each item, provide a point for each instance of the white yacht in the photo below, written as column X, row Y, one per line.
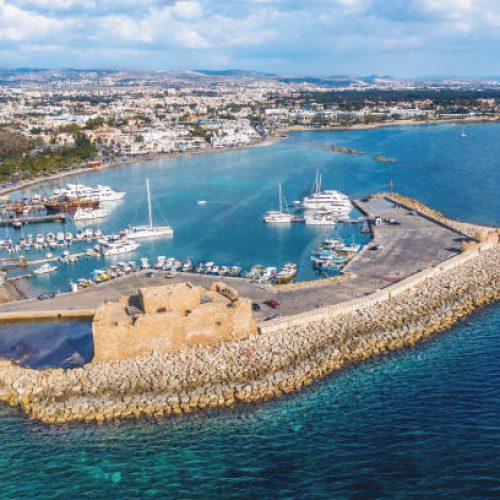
column 334, row 201
column 148, row 231
column 282, row 215
column 320, row 220
column 99, row 193
column 45, row 269
column 117, row 247
column 89, row 213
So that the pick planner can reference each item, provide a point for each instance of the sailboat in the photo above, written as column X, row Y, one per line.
column 280, row 216
column 148, row 231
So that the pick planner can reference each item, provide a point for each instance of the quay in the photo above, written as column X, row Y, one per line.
column 430, row 273
column 412, row 245
column 34, row 219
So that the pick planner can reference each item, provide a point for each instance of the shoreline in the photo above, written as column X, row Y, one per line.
column 289, row 354
column 394, row 123
column 268, row 141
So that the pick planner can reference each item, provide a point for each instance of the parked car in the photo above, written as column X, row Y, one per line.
column 46, row 296
column 256, row 307
column 272, row 303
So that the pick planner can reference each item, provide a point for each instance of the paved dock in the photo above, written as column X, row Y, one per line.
column 410, row 245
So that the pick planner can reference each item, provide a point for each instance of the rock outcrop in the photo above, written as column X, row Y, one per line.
column 168, row 318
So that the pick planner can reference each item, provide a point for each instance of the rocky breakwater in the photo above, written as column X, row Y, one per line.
column 286, row 358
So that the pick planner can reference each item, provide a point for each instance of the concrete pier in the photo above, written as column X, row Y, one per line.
column 420, row 283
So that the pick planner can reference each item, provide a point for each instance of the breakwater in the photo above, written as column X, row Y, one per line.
column 287, row 355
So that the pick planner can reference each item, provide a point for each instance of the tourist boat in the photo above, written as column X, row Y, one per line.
column 89, row 214
column 282, row 215
column 101, row 194
column 149, row 231
column 336, row 202
column 45, row 269
column 287, row 273
column 70, row 205
column 109, row 248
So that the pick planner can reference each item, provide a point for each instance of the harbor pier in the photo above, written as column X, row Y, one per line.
column 421, row 282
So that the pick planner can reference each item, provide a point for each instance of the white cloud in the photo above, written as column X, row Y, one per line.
column 20, row 25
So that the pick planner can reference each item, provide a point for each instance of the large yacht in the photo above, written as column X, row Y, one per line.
column 150, row 230
column 282, row 215
column 99, row 193
column 334, row 201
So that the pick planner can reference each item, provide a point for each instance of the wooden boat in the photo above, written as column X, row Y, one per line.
column 70, row 205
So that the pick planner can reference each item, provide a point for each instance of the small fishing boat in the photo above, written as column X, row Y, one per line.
column 201, row 202
column 268, row 276
column 235, row 270
column 45, row 269
column 255, row 272
column 145, row 263
column 287, row 273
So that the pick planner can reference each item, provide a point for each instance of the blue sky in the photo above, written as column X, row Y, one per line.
column 399, row 37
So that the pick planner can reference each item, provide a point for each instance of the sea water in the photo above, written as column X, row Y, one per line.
column 420, row 422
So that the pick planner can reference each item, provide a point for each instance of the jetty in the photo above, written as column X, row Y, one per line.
column 419, row 277
column 34, row 219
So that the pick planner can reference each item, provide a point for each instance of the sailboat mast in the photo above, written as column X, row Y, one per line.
column 150, row 213
column 280, row 195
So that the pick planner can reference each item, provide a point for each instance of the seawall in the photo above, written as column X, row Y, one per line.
column 288, row 355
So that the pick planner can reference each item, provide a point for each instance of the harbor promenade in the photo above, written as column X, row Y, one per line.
column 406, row 246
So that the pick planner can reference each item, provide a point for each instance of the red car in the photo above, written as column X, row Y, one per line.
column 272, row 303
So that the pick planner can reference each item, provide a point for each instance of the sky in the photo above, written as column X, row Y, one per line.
column 403, row 38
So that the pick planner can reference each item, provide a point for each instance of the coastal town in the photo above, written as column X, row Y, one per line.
column 52, row 121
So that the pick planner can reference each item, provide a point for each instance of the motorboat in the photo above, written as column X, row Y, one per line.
column 109, row 248
column 148, row 231
column 45, row 269
column 89, row 214
column 332, row 243
column 201, row 202
column 320, row 220
column 282, row 215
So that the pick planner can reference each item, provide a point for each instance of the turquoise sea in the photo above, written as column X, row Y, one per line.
column 423, row 422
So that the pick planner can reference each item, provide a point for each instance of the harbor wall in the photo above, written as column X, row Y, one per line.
column 263, row 366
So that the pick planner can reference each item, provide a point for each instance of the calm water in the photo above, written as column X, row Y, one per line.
column 454, row 174
column 63, row 344
column 424, row 422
